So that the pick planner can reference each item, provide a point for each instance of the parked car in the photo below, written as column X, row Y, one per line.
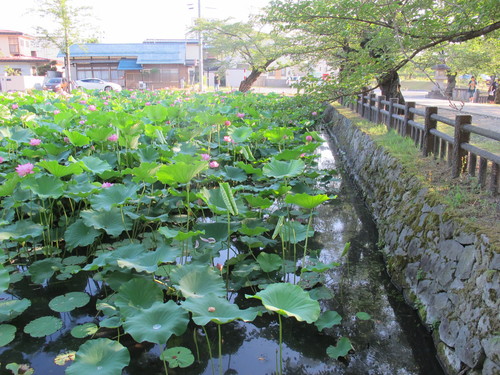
column 53, row 84
column 97, row 84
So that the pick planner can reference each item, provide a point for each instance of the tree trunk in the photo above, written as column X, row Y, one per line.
column 247, row 83
column 390, row 86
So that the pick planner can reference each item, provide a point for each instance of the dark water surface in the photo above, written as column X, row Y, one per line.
column 393, row 342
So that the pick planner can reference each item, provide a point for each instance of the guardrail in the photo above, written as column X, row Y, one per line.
column 421, row 126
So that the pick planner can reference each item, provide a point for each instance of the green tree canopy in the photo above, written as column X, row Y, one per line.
column 371, row 40
column 245, row 42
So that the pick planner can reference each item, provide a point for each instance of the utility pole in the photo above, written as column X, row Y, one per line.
column 200, row 41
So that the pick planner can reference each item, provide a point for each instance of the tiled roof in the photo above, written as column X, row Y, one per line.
column 12, row 32
column 24, row 59
column 173, row 52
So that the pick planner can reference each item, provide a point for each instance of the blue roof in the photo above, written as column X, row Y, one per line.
column 129, row 64
column 147, row 53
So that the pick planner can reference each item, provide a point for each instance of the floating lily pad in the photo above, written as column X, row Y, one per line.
column 100, row 356
column 137, row 294
column 64, row 358
column 7, row 333
column 178, row 357
column 69, row 301
column 363, row 316
column 84, row 330
column 341, row 349
column 157, row 323
column 44, row 326
column 20, row 369
column 328, row 319
column 9, row 309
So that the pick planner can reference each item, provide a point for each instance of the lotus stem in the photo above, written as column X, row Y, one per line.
column 307, row 237
column 281, row 343
column 220, row 348
column 209, row 349
column 196, row 345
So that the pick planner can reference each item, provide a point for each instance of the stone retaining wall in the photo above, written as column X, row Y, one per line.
column 450, row 275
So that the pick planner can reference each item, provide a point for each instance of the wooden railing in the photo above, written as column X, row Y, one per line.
column 421, row 126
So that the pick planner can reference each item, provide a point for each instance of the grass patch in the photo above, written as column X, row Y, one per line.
column 467, row 202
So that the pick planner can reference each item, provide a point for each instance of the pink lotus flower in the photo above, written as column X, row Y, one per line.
column 92, row 107
column 105, row 103
column 35, row 141
column 56, row 112
column 113, row 138
column 1, row 160
column 227, row 123
column 227, row 138
column 240, row 115
column 309, row 138
column 205, row 157
column 14, row 106
column 213, row 164
column 83, row 102
column 314, row 113
column 106, row 185
column 66, row 139
column 24, row 169
column 81, row 122
column 303, row 155
column 133, row 97
column 147, row 103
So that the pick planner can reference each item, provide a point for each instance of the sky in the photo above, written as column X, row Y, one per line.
column 133, row 21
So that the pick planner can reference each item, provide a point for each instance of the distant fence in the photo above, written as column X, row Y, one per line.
column 420, row 125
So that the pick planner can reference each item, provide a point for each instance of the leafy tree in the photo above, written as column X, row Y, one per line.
column 371, row 40
column 12, row 71
column 245, row 42
column 43, row 69
column 68, row 26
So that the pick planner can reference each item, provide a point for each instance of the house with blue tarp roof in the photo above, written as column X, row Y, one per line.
column 154, row 64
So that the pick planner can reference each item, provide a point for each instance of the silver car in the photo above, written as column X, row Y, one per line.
column 97, row 84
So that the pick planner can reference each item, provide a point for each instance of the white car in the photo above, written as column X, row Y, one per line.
column 97, row 84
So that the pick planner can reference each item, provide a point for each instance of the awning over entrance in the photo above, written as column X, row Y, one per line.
column 129, row 64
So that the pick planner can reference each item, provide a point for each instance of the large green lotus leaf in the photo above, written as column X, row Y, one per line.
column 306, row 201
column 53, row 167
column 146, row 172
column 180, row 172
column 9, row 309
column 213, row 308
column 234, row 174
column 84, row 330
column 95, row 165
column 178, row 357
column 69, row 301
column 9, row 184
column 289, row 300
column 269, row 262
column 43, row 269
column 107, row 257
column 289, row 155
column 148, row 261
column 278, row 135
column 258, row 202
column 294, row 232
column 249, row 169
column 137, row 294
column 115, row 195
column 64, row 118
column 99, row 134
column 7, row 334
column 283, row 169
column 321, row 292
column 328, row 319
column 4, row 279
column 112, row 221
column 148, row 155
column 156, row 113
column 45, row 186
column 341, row 349
column 76, row 138
column 241, row 134
column 100, row 356
column 44, row 326
column 213, row 198
column 197, row 281
column 21, row 231
column 157, row 323
column 20, row 135
column 78, row 234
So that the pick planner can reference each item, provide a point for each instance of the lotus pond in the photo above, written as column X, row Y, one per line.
column 173, row 233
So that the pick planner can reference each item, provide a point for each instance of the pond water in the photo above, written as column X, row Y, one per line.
column 392, row 342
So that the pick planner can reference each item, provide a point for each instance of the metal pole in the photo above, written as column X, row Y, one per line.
column 200, row 40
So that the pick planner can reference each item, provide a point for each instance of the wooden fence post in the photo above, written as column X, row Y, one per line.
column 371, row 101
column 459, row 160
column 362, row 104
column 406, row 131
column 429, row 124
column 379, row 108
column 495, row 177
column 391, row 112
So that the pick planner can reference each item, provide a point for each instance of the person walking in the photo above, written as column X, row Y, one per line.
column 472, row 89
column 492, row 90
column 216, row 82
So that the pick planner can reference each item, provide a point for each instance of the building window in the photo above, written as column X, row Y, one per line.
column 14, row 46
